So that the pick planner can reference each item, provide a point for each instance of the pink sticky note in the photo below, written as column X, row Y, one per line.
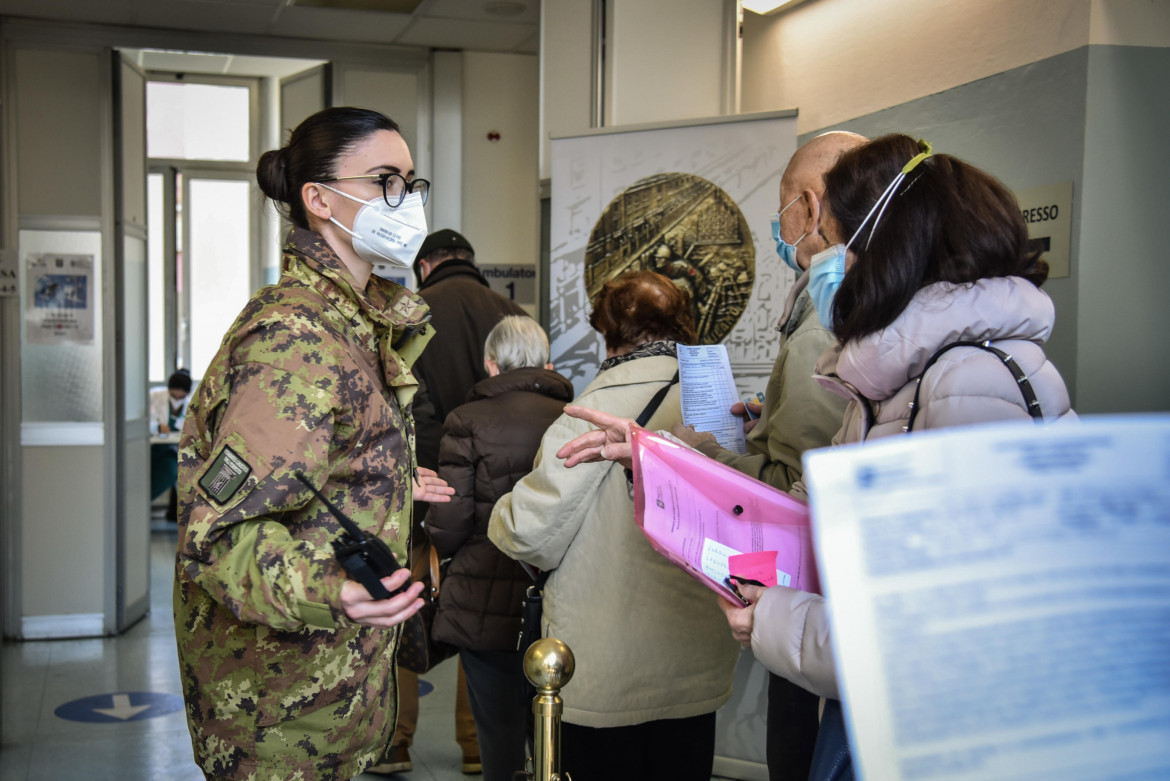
column 759, row 566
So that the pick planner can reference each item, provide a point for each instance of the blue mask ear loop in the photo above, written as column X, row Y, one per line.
column 884, row 200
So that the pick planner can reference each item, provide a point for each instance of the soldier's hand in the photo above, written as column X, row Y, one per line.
column 429, row 487
column 360, row 607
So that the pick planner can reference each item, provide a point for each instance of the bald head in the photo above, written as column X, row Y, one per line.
column 804, row 182
column 807, row 168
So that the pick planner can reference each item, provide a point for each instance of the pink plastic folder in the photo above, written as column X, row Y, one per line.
column 700, row 513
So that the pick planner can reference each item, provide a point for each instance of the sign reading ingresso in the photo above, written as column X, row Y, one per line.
column 1048, row 212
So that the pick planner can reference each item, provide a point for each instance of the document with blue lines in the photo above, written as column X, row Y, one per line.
column 1000, row 599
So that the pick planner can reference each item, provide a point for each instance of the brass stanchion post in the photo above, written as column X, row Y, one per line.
column 548, row 665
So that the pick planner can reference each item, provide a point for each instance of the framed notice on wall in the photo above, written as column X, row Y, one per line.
column 690, row 200
column 61, row 297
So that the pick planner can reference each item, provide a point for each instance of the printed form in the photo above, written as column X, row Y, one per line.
column 1000, row 599
column 708, row 391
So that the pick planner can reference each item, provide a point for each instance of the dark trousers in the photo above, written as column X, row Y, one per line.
column 496, row 688
column 667, row 749
column 792, row 730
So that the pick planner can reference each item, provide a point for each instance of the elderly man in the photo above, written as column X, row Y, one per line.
column 797, row 414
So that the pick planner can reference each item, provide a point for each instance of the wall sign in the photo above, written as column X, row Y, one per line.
column 9, row 273
column 1048, row 212
column 62, row 292
column 515, row 283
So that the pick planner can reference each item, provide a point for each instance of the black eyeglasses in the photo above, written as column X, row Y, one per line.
column 395, row 187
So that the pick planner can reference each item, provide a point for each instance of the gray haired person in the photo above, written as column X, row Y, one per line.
column 488, row 444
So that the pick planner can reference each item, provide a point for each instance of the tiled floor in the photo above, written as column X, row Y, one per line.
column 40, row 676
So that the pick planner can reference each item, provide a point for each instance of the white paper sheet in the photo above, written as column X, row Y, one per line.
column 1001, row 599
column 708, row 391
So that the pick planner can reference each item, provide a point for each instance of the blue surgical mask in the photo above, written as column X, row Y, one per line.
column 825, row 275
column 786, row 251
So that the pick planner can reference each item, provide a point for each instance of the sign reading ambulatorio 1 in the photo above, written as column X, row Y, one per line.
column 515, row 283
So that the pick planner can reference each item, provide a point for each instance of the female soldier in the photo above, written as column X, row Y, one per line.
column 288, row 665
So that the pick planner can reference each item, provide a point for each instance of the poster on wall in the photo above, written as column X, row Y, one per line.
column 60, row 300
column 690, row 200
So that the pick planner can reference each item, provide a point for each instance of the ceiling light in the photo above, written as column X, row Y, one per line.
column 763, row 6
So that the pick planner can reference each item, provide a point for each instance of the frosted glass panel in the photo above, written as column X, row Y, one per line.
column 61, row 381
column 218, row 219
column 156, row 278
column 197, row 121
column 134, row 324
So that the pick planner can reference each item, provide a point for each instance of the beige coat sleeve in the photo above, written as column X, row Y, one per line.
column 798, row 413
column 790, row 637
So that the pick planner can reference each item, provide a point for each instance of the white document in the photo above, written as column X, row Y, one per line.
column 708, row 391
column 1000, row 599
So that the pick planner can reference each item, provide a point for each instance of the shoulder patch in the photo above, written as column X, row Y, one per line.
column 225, row 475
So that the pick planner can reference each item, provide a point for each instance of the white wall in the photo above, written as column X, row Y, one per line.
column 839, row 59
column 566, row 29
column 665, row 60
column 500, row 181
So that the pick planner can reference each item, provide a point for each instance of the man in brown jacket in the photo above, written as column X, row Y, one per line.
column 463, row 311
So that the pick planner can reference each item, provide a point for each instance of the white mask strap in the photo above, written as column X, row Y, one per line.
column 925, row 151
column 344, row 194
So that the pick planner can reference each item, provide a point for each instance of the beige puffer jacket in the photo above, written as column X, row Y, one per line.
column 965, row 386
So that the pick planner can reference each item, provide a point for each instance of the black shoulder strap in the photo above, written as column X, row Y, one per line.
column 1030, row 400
column 655, row 402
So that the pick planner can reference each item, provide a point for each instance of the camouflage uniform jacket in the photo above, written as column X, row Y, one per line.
column 312, row 377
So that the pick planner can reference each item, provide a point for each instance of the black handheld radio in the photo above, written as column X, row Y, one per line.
column 364, row 557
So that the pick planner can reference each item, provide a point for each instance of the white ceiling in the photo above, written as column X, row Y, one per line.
column 480, row 25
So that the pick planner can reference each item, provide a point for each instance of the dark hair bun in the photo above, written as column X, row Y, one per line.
column 272, row 174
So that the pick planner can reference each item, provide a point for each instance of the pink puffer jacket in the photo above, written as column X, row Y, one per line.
column 965, row 386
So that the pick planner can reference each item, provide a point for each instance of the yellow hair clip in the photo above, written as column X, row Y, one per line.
column 927, row 151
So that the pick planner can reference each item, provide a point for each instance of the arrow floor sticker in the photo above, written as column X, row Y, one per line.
column 120, row 707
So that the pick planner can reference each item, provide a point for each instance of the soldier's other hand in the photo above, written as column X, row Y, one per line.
column 750, row 412
column 690, row 436
column 360, row 607
column 429, row 487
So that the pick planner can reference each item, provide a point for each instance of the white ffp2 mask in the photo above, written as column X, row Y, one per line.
column 382, row 234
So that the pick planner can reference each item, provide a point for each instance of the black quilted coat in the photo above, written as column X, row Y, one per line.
column 488, row 444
